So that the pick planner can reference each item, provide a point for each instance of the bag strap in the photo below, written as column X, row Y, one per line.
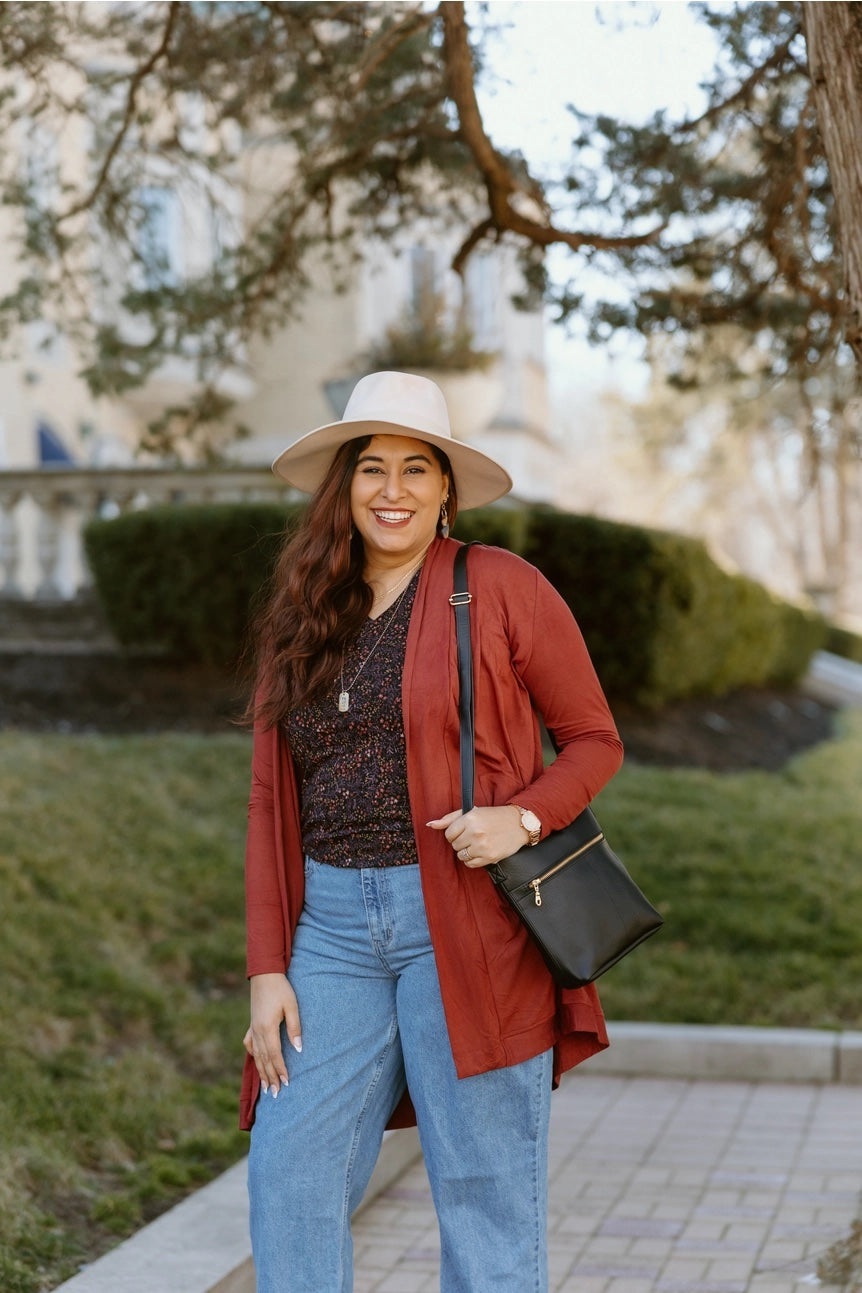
column 460, row 601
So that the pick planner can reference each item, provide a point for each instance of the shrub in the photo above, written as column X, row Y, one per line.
column 661, row 618
column 501, row 527
column 181, row 579
column 605, row 574
column 844, row 642
column 803, row 632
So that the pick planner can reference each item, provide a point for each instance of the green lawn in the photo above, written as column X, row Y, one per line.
column 123, row 996
column 759, row 877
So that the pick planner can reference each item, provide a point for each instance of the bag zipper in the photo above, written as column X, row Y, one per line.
column 540, row 880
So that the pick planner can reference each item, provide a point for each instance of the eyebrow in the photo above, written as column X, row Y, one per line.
column 376, row 457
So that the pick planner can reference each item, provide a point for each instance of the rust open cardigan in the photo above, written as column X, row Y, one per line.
column 501, row 1004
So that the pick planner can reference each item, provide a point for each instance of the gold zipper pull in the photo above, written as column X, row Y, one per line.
column 535, row 887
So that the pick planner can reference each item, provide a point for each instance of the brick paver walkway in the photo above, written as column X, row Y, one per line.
column 663, row 1186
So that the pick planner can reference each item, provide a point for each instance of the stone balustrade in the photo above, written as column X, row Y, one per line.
column 43, row 513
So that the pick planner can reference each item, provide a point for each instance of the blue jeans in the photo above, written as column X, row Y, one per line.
column 363, row 970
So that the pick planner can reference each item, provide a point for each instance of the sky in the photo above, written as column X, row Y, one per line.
column 625, row 57
column 628, row 57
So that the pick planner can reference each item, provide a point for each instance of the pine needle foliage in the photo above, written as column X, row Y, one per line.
column 345, row 121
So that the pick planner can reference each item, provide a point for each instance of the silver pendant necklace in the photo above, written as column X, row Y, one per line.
column 344, row 693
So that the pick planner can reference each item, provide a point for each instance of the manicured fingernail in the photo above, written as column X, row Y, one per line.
column 274, row 1090
column 284, row 1081
column 297, row 1043
column 263, row 1088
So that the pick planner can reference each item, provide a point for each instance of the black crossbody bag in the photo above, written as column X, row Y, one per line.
column 579, row 903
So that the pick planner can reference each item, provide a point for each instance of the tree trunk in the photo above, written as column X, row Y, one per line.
column 833, row 33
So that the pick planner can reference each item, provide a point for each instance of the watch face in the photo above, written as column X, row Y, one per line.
column 530, row 821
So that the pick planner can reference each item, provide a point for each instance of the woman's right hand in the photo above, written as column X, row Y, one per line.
column 272, row 1000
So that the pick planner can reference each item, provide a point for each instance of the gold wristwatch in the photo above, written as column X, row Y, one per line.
column 530, row 823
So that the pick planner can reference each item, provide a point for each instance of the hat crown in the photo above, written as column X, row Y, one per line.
column 400, row 398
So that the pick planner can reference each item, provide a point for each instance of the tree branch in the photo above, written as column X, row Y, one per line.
column 502, row 187
column 474, row 237
column 135, row 84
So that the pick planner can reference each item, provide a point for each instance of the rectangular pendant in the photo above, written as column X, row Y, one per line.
column 343, row 702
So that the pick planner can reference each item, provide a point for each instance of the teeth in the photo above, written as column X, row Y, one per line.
column 394, row 516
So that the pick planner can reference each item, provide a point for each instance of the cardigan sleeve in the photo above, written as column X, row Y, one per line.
column 551, row 658
column 266, row 935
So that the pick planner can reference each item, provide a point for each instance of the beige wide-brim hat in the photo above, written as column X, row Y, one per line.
column 395, row 404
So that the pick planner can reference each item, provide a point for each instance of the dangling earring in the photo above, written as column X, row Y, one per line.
column 444, row 519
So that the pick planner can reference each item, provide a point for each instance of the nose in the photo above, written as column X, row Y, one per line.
column 393, row 485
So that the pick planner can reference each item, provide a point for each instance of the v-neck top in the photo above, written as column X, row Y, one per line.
column 355, row 809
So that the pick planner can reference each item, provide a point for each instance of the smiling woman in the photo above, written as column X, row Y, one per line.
column 389, row 982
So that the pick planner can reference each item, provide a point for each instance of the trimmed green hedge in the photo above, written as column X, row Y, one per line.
column 180, row 579
column 662, row 620
column 844, row 642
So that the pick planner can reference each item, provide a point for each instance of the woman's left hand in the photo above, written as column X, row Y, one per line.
column 484, row 835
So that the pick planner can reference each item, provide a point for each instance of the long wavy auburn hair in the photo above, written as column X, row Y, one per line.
column 317, row 599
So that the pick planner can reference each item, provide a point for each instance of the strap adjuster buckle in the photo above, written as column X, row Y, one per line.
column 460, row 599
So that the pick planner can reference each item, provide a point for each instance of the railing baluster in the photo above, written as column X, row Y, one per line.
column 48, row 551
column 10, row 547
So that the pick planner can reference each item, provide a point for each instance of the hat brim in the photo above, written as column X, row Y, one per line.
column 479, row 480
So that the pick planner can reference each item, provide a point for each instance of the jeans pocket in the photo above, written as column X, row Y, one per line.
column 310, row 866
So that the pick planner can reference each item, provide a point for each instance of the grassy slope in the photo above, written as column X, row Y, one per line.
column 123, row 987
column 121, row 957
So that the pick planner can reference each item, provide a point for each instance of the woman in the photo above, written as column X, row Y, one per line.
column 389, row 981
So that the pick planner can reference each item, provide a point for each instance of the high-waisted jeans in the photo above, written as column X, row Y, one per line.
column 363, row 970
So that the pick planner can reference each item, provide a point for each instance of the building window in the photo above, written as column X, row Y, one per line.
column 160, row 237
column 482, row 300
column 423, row 280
